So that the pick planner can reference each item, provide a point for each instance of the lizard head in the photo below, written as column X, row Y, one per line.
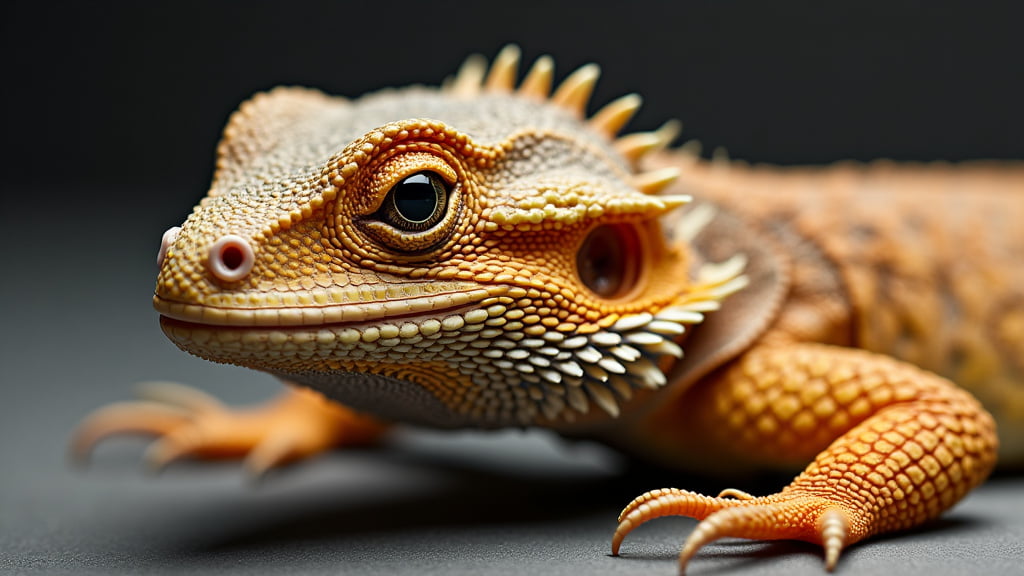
column 478, row 254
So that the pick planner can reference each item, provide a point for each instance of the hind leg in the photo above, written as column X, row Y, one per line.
column 901, row 445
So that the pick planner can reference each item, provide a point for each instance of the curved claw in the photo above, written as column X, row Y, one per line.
column 835, row 531
column 175, row 445
column 783, row 521
column 176, row 394
column 750, row 522
column 273, row 452
column 164, row 407
column 665, row 502
column 191, row 423
column 737, row 494
column 124, row 418
column 740, row 515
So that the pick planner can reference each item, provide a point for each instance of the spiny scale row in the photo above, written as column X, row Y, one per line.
column 573, row 95
column 563, row 376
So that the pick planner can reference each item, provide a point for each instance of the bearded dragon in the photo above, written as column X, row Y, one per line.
column 483, row 254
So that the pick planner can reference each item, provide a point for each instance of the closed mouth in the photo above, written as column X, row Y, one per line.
column 321, row 315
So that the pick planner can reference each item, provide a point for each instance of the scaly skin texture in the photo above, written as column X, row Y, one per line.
column 919, row 262
column 895, row 446
column 483, row 255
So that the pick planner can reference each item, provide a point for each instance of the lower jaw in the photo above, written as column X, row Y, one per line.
column 329, row 346
column 401, row 382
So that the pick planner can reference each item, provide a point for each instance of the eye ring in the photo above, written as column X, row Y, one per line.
column 416, row 203
column 420, row 203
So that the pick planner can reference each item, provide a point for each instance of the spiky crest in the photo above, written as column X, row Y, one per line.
column 572, row 95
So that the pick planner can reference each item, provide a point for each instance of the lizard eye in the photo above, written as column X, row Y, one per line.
column 416, row 203
column 419, row 207
column 608, row 261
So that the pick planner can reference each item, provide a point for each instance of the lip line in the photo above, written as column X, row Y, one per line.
column 401, row 309
column 439, row 313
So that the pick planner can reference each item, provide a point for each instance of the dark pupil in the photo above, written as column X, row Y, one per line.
column 607, row 261
column 599, row 262
column 416, row 197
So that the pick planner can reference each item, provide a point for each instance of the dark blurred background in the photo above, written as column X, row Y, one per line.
column 136, row 93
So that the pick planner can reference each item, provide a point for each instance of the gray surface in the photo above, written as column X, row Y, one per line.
column 78, row 332
column 464, row 505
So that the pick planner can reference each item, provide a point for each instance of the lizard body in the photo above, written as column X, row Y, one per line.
column 902, row 246
column 484, row 255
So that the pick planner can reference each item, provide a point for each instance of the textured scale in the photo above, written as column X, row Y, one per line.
column 552, row 279
column 495, row 274
column 926, row 260
column 895, row 446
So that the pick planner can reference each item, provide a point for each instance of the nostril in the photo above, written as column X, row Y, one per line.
column 165, row 244
column 231, row 258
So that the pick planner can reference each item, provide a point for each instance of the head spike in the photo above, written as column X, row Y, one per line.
column 470, row 76
column 668, row 132
column 634, row 146
column 502, row 77
column 692, row 148
column 537, row 83
column 655, row 181
column 574, row 92
column 610, row 119
column 720, row 155
column 696, row 219
column 673, row 201
column 720, row 160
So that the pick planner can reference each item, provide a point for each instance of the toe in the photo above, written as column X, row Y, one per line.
column 835, row 531
column 124, row 418
column 273, row 452
column 792, row 516
column 179, row 395
column 665, row 502
column 182, row 442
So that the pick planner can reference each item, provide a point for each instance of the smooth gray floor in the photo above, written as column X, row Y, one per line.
column 78, row 331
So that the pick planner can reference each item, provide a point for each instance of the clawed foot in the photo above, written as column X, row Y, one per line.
column 788, row 515
column 191, row 423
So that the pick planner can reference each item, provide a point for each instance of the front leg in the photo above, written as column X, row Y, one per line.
column 898, row 446
column 296, row 425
